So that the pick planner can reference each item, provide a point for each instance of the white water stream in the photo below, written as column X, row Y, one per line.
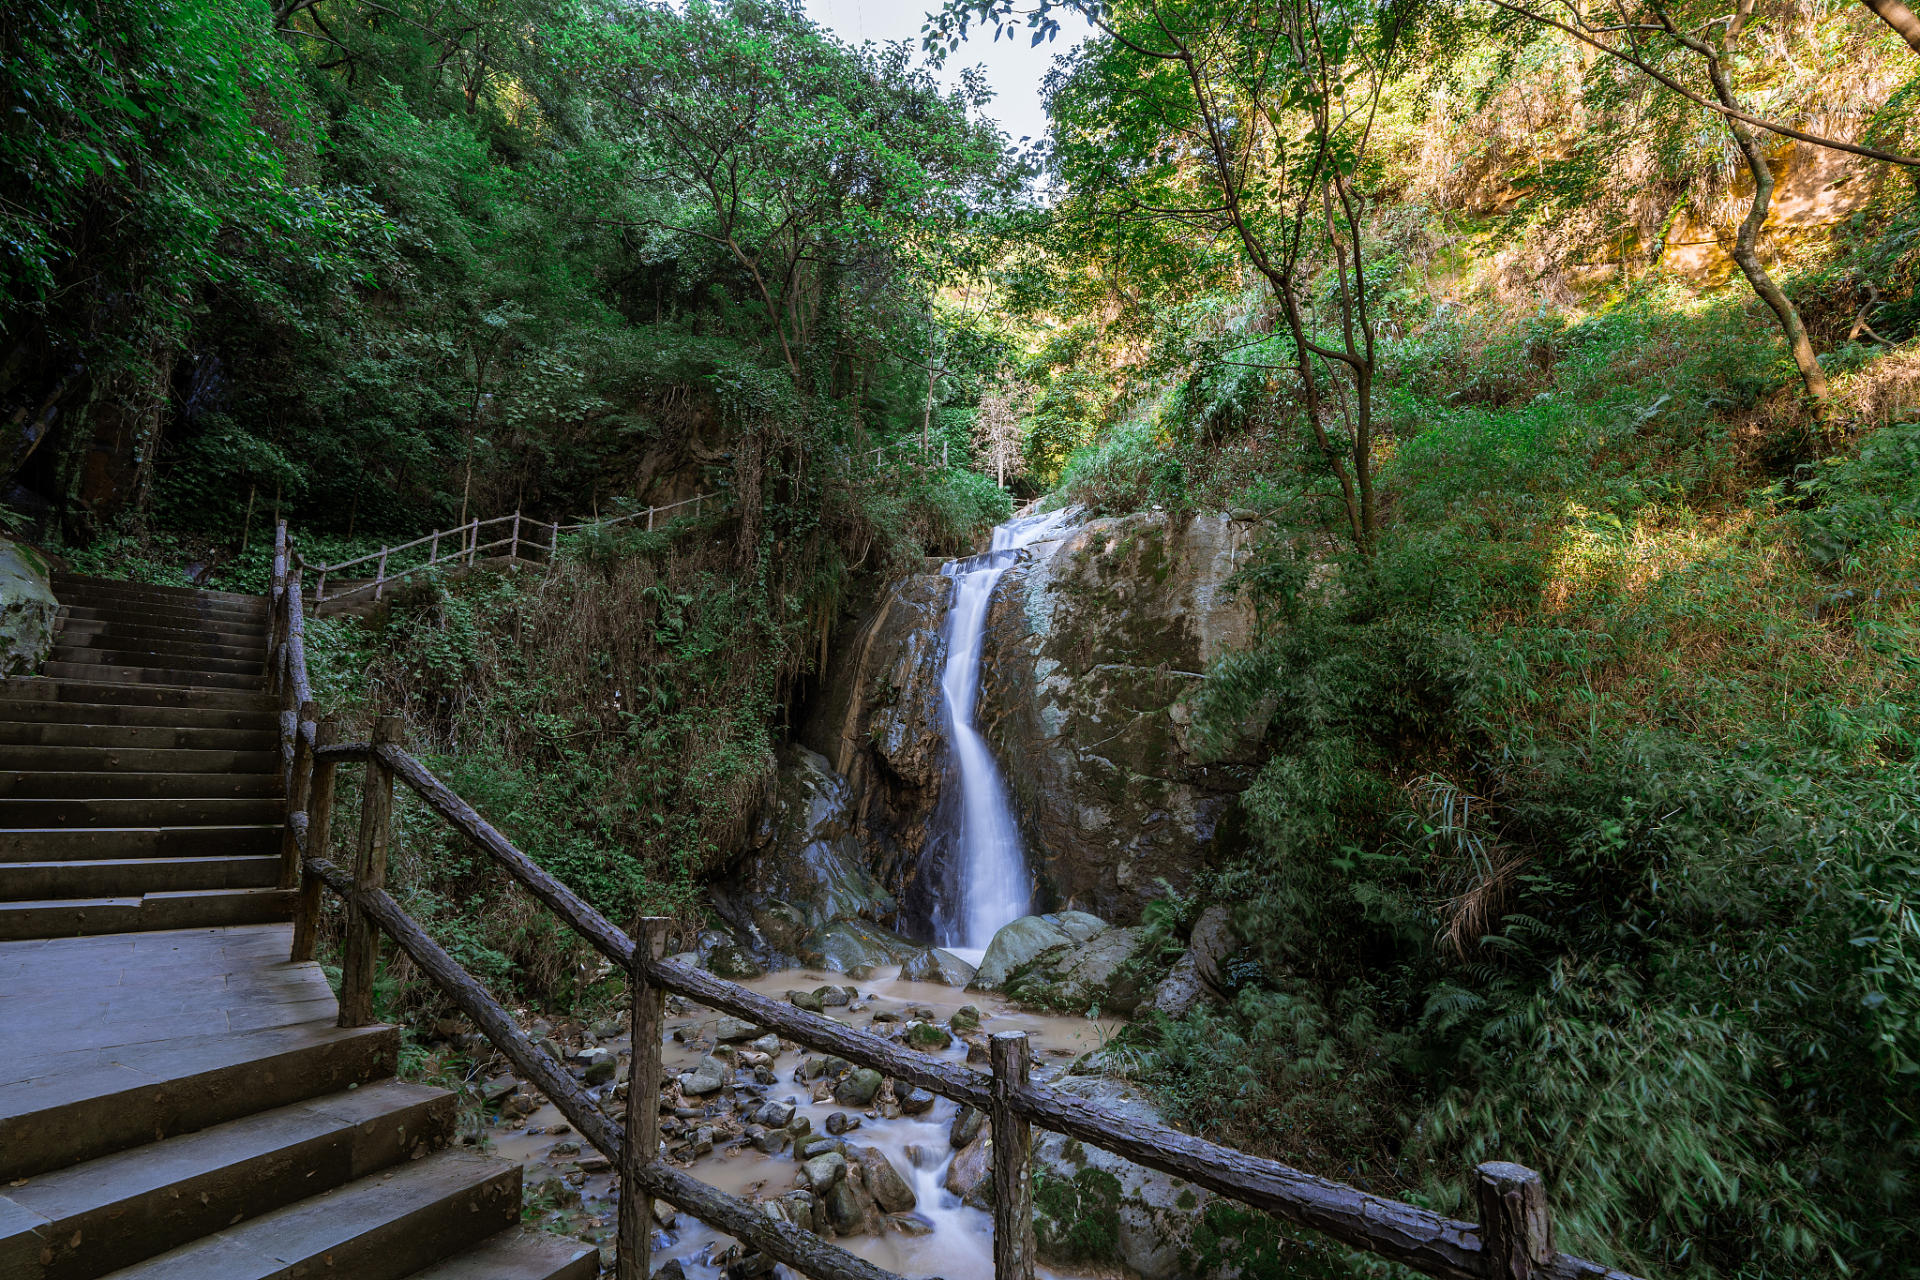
column 981, row 867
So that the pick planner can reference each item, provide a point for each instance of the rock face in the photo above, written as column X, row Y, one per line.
column 1094, row 648
column 27, row 610
column 877, row 721
column 803, row 895
column 1020, row 943
column 1065, row 960
column 1093, row 1206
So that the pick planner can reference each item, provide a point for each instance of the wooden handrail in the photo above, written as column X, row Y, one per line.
column 1513, row 1238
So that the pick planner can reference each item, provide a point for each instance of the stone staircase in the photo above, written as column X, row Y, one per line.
column 175, row 1098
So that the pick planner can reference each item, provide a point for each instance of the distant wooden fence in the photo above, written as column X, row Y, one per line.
column 522, row 535
column 1512, row 1241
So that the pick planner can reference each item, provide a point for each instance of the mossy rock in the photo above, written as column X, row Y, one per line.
column 928, row 1037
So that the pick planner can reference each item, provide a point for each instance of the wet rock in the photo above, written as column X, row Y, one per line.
column 966, row 1127
column 670, row 1270
column 858, row 1089
column 916, row 1102
column 908, row 1224
column 965, row 1018
column 722, row 956
column 972, row 1166
column 847, row 1208
column 890, row 1191
column 734, row 1031
column 772, row 1141
column 775, row 1115
column 601, row 1068
column 28, row 609
column 751, row 1267
column 838, row 1123
column 818, row 1147
column 1148, row 1215
column 1211, row 942
column 706, row 1077
column 847, row 946
column 935, row 965
column 823, row 1171
column 1088, row 976
column 834, row 997
column 927, row 1037
column 768, row 1044
column 1031, row 940
column 806, row 1000
column 608, row 1029
column 805, row 869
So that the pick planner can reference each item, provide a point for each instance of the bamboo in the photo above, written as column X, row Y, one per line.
column 369, row 872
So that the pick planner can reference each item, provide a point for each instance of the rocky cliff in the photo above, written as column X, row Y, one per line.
column 1097, row 641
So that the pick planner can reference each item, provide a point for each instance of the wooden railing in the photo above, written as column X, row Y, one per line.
column 522, row 535
column 1513, row 1239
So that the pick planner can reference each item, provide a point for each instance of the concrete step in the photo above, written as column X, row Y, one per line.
column 174, row 677
column 118, row 1210
column 133, row 877
column 195, row 909
column 62, row 578
column 173, row 739
column 520, row 1254
column 119, row 760
column 210, row 811
column 78, row 844
column 207, row 604
column 382, row 1227
column 108, row 784
column 246, row 665
column 165, row 624
column 94, row 638
column 66, row 1105
column 263, row 708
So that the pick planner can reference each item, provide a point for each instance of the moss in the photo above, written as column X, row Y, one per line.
column 1236, row 1241
column 1077, row 1219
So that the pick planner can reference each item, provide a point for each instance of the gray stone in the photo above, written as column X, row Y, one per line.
column 1181, row 991
column 972, row 1166
column 935, row 965
column 967, row 1124
column 772, row 1141
column 1029, row 940
column 1157, row 1212
column 822, row 1171
column 890, row 1191
column 28, row 610
column 834, row 997
column 927, row 1037
column 858, row 1089
column 916, row 1102
column 1211, row 941
column 837, row 1122
column 850, row 946
column 965, row 1018
column 706, row 1077
column 777, row 1115
column 725, row 958
column 1086, row 977
column 805, row 1000
column 734, row 1031
column 768, row 1044
column 602, row 1067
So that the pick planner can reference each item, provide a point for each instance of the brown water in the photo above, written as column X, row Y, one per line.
column 958, row 1246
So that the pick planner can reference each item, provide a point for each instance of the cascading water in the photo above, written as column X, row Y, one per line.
column 978, row 862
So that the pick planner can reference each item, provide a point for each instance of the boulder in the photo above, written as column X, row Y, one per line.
column 967, row 1123
column 1088, row 976
column 1147, row 1217
column 806, row 1000
column 858, row 1089
column 965, row 1018
column 854, row 946
column 1031, row 939
column 927, row 1037
column 972, row 1166
column 1181, row 991
column 734, row 1031
column 768, row 1044
column 835, row 997
column 916, row 1102
column 28, row 610
column 706, row 1077
column 601, row 1067
column 890, row 1191
column 935, row 965
column 722, row 956
column 822, row 1171
column 1211, row 941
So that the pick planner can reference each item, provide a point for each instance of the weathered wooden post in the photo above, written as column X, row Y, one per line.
column 433, row 550
column 306, row 910
column 473, row 539
column 649, row 519
column 298, row 788
column 1516, row 1236
column 643, row 1103
column 369, row 872
column 513, row 552
column 1012, row 1160
column 380, row 576
column 276, row 605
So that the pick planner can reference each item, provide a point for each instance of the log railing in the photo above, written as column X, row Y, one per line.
column 521, row 536
column 1513, row 1239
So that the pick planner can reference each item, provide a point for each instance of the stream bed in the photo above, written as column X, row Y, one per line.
column 937, row 1236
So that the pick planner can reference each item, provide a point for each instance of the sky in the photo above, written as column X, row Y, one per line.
column 1014, row 68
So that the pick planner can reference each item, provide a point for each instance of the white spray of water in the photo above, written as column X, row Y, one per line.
column 989, row 870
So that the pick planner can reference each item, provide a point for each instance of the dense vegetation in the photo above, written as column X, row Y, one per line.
column 1587, row 572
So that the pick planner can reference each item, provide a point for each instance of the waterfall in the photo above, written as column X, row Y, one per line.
column 978, row 860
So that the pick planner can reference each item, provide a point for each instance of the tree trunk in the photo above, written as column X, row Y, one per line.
column 1899, row 17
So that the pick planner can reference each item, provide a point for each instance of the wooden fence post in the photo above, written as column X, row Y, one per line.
column 306, row 911
column 473, row 539
column 380, row 576
column 513, row 552
column 1516, row 1236
column 276, row 605
column 1012, row 1161
column 369, row 872
column 643, row 1103
column 298, row 787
